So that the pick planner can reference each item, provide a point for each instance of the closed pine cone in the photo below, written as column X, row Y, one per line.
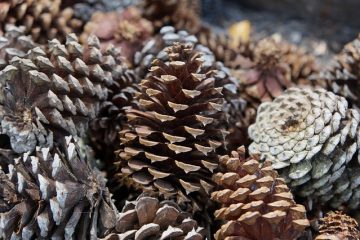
column 56, row 90
column 175, row 136
column 311, row 137
column 338, row 226
column 54, row 193
column 148, row 218
column 255, row 203
column 43, row 19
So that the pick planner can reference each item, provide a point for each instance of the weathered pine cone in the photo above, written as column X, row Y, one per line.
column 182, row 14
column 151, row 219
column 338, row 226
column 255, row 203
column 56, row 90
column 43, row 19
column 53, row 193
column 175, row 136
column 311, row 137
column 127, row 30
column 343, row 74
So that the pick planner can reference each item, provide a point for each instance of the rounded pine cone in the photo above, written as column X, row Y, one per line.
column 43, row 19
column 338, row 226
column 151, row 219
column 311, row 137
column 176, row 134
column 56, row 90
column 54, row 193
column 255, row 203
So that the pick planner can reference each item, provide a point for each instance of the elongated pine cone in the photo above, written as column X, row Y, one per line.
column 311, row 137
column 175, row 136
column 147, row 218
column 56, row 90
column 343, row 74
column 338, row 226
column 53, row 193
column 255, row 203
column 127, row 30
column 43, row 19
column 182, row 14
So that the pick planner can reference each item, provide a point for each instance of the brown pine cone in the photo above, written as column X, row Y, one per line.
column 54, row 194
column 127, row 30
column 182, row 14
column 175, row 135
column 343, row 74
column 147, row 218
column 338, row 226
column 255, row 203
column 55, row 90
column 43, row 19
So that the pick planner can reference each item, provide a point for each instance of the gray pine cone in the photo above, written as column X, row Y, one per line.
column 54, row 194
column 311, row 138
column 147, row 218
column 55, row 91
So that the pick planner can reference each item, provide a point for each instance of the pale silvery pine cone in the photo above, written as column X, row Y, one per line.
column 55, row 91
column 178, row 130
column 54, row 194
column 338, row 226
column 311, row 137
column 255, row 202
column 148, row 218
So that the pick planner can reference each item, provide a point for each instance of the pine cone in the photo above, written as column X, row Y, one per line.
column 54, row 193
column 151, row 219
column 182, row 14
column 311, row 137
column 176, row 135
column 43, row 19
column 55, row 91
column 255, row 203
column 339, row 226
column 127, row 30
column 343, row 74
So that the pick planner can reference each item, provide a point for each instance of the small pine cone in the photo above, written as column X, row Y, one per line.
column 182, row 14
column 127, row 30
column 55, row 90
column 177, row 132
column 151, row 219
column 311, row 137
column 53, row 193
column 338, row 226
column 43, row 19
column 255, row 203
column 343, row 74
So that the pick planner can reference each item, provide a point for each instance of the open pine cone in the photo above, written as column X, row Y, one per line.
column 54, row 193
column 174, row 138
column 338, row 226
column 255, row 203
column 43, row 19
column 147, row 218
column 55, row 90
column 311, row 137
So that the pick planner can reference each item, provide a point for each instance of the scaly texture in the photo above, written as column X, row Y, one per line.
column 255, row 203
column 182, row 14
column 151, row 219
column 339, row 226
column 343, row 74
column 53, row 193
column 311, row 137
column 177, row 132
column 43, row 19
column 127, row 30
column 55, row 90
